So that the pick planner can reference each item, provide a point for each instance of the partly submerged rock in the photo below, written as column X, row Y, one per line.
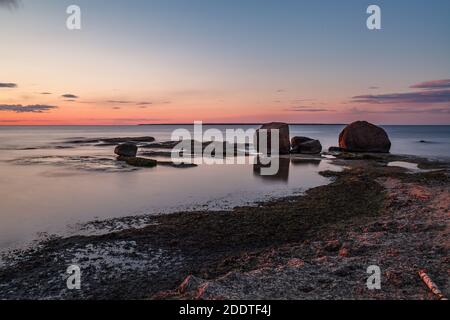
column 157, row 153
column 129, row 139
column 335, row 149
column 112, row 141
column 126, row 150
column 138, row 162
column 180, row 144
column 304, row 145
column 284, row 138
column 362, row 136
column 193, row 147
column 180, row 165
column 428, row 142
column 361, row 156
column 161, row 145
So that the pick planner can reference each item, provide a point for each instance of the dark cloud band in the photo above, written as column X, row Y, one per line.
column 69, row 96
column 18, row 108
column 433, row 96
column 8, row 85
column 404, row 110
column 119, row 101
column 435, row 84
column 308, row 109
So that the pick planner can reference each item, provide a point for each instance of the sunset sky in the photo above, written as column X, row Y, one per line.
column 173, row 61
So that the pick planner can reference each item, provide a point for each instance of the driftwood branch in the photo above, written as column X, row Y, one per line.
column 431, row 285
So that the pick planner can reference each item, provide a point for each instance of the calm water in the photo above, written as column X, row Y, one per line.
column 46, row 187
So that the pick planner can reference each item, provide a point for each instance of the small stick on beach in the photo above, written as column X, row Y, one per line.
column 431, row 285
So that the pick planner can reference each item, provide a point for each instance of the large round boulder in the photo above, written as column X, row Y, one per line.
column 362, row 136
column 284, row 142
column 126, row 150
column 304, row 145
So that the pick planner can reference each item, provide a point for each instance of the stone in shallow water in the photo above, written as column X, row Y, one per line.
column 129, row 139
column 335, row 149
column 284, row 142
column 111, row 141
column 126, row 150
column 304, row 145
column 138, row 162
column 181, row 165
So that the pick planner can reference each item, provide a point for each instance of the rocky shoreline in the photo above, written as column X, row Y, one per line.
column 315, row 246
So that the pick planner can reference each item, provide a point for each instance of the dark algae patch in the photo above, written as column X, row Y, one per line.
column 290, row 219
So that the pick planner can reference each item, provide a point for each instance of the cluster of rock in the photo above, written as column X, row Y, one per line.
column 298, row 145
column 360, row 136
column 128, row 152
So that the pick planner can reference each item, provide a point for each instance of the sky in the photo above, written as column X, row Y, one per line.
column 179, row 61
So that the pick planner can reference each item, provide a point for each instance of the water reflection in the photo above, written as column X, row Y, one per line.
column 284, row 167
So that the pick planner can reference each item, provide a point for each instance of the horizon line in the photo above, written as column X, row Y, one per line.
column 206, row 124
